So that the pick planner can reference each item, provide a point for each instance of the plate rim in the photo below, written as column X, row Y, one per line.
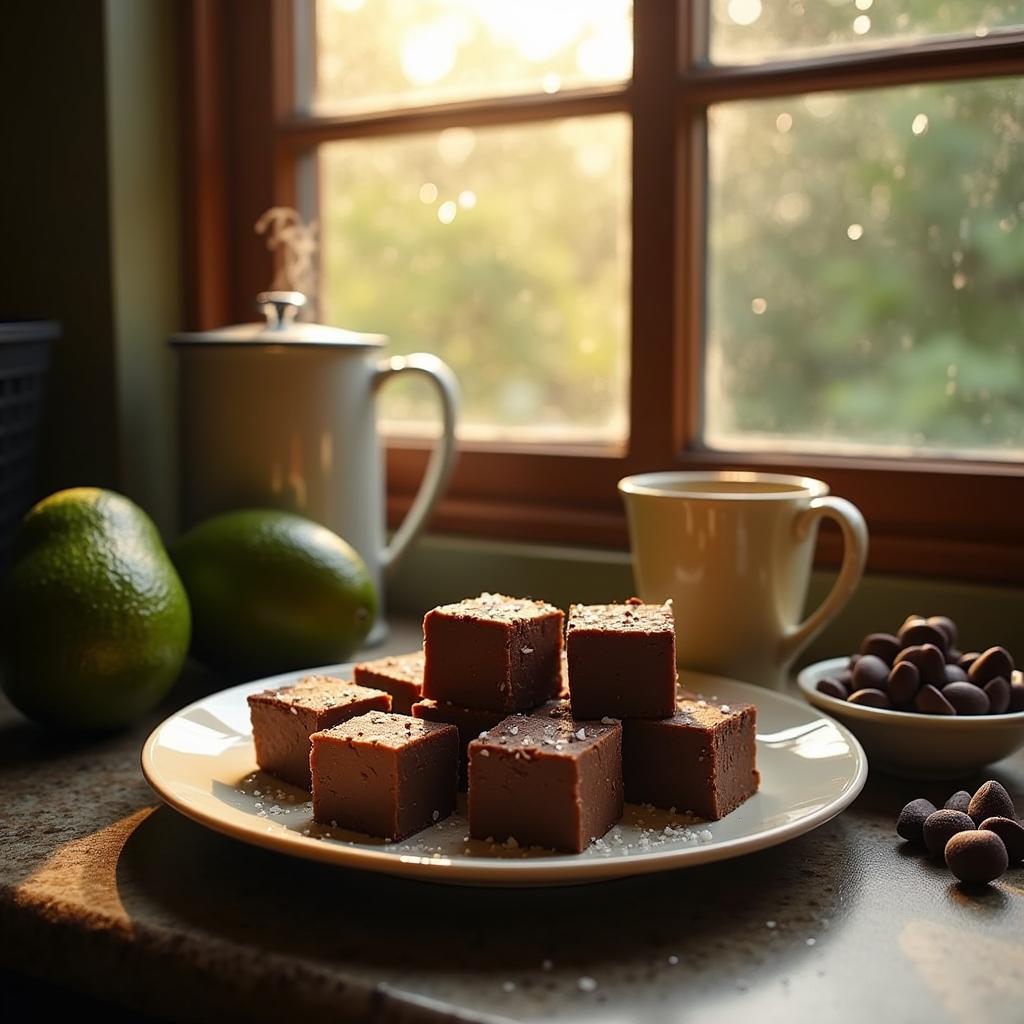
column 499, row 872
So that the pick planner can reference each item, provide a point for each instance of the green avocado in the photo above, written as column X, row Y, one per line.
column 95, row 620
column 272, row 591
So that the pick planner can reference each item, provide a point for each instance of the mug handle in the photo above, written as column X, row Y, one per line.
column 855, row 553
column 442, row 459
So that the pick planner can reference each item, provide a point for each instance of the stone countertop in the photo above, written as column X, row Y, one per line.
column 107, row 892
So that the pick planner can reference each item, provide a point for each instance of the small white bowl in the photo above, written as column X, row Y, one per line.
column 917, row 746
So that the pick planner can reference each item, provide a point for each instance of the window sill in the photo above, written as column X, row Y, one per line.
column 931, row 518
column 440, row 569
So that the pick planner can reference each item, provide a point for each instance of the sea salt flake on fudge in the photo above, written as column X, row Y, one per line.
column 622, row 660
column 469, row 721
column 384, row 775
column 702, row 759
column 492, row 651
column 284, row 719
column 532, row 779
column 401, row 675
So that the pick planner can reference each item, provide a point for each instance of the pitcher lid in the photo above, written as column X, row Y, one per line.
column 280, row 328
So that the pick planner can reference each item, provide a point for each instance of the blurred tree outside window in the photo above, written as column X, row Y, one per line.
column 864, row 259
column 504, row 249
column 866, row 270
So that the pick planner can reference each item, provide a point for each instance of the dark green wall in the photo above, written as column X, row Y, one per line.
column 54, row 215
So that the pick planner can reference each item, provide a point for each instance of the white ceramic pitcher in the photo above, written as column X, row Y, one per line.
column 282, row 414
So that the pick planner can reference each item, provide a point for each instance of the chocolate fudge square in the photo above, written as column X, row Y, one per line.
column 563, row 677
column 622, row 660
column 283, row 720
column 702, row 760
column 546, row 779
column 469, row 721
column 400, row 675
column 494, row 652
column 383, row 774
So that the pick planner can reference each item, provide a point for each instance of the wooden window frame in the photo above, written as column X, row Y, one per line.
column 241, row 145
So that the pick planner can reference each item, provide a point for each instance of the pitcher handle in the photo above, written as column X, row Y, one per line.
column 442, row 459
column 855, row 553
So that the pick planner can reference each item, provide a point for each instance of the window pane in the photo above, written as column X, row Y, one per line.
column 386, row 53
column 751, row 31
column 505, row 251
column 866, row 270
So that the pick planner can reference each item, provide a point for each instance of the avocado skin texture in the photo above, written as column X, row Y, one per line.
column 272, row 592
column 94, row 618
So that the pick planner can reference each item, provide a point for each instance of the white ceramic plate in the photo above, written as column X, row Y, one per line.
column 201, row 762
column 918, row 746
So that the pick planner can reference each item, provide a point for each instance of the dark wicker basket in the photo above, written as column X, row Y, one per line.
column 24, row 363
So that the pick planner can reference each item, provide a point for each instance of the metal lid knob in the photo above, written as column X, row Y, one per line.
column 280, row 308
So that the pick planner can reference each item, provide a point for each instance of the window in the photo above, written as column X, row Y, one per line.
column 736, row 232
column 886, row 318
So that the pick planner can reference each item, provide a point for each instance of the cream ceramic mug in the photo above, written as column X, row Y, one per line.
column 733, row 550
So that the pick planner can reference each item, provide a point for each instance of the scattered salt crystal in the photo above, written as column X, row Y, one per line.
column 586, row 984
column 725, row 707
column 482, row 736
column 608, row 720
column 810, row 942
column 514, row 730
column 527, row 739
column 673, row 959
column 526, row 650
column 292, row 710
column 436, row 815
column 769, row 924
column 512, row 843
column 485, row 753
column 581, row 734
